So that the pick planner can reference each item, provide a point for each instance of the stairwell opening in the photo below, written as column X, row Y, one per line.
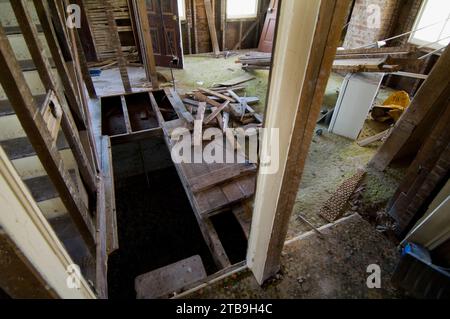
column 156, row 224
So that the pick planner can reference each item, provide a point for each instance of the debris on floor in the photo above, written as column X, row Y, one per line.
column 222, row 107
column 333, row 208
column 391, row 109
column 256, row 61
column 330, row 266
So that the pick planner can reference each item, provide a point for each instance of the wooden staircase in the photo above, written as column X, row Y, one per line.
column 20, row 151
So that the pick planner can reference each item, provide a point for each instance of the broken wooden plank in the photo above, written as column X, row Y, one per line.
column 236, row 81
column 112, row 237
column 198, row 125
column 115, row 40
column 226, row 120
column 374, row 138
column 203, row 98
column 216, row 113
column 219, row 177
column 364, row 65
column 217, row 94
column 126, row 115
column 212, row 27
column 373, row 52
column 178, row 105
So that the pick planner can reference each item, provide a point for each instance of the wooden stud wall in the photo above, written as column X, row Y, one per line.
column 98, row 20
column 232, row 34
column 64, row 107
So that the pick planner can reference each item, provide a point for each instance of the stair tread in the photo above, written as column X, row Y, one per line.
column 16, row 30
column 41, row 188
column 74, row 244
column 6, row 108
column 21, row 147
column 28, row 65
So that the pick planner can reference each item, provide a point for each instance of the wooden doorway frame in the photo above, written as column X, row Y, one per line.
column 307, row 37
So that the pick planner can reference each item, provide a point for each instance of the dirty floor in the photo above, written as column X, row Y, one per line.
column 331, row 267
column 332, row 159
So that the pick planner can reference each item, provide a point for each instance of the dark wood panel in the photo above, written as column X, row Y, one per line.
column 165, row 31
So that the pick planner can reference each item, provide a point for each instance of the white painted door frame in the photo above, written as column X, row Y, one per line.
column 33, row 239
column 305, row 48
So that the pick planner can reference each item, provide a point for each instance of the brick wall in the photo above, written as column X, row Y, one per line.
column 408, row 11
column 360, row 32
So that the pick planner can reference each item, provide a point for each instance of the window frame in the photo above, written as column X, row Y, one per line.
column 426, row 44
column 244, row 16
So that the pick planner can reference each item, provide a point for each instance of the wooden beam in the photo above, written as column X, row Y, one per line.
column 178, row 105
column 299, row 78
column 33, row 261
column 404, row 208
column 55, row 50
column 57, row 9
column 215, row 245
column 18, row 92
column 217, row 94
column 126, row 115
column 35, row 47
column 223, row 23
column 189, row 24
column 375, row 138
column 247, row 33
column 223, row 176
column 198, row 124
column 433, row 89
column 195, row 25
column 101, row 257
column 136, row 136
column 115, row 39
column 146, row 39
column 216, row 112
column 212, row 27
column 112, row 237
column 84, row 66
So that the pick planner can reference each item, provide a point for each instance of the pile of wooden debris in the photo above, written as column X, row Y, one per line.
column 256, row 61
column 221, row 106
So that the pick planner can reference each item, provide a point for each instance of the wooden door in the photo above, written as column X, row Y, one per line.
column 165, row 32
column 268, row 33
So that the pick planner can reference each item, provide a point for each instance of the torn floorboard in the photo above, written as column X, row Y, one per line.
column 211, row 188
column 216, row 187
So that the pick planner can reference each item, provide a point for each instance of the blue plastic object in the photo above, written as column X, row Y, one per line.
column 95, row 72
